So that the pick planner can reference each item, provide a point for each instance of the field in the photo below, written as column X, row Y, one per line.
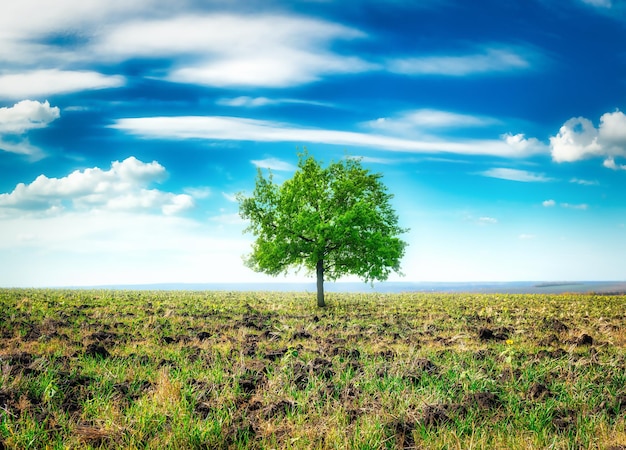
column 204, row 370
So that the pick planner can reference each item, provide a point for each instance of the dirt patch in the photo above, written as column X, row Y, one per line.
column 321, row 367
column 350, row 353
column 274, row 355
column 419, row 369
column 17, row 361
column 278, row 409
column 434, row 415
column 96, row 350
column 256, row 321
column 482, row 400
column 203, row 335
column 253, row 376
column 551, row 324
column 499, row 334
column 549, row 341
column 538, row 391
column 300, row 375
column 584, row 339
column 402, row 430
column 564, row 420
column 301, row 334
column 270, row 335
column 103, row 337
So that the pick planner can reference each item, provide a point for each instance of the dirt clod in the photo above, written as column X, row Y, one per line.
column 483, row 400
column 538, row 391
column 403, row 431
column 95, row 349
column 434, row 415
column 584, row 339
column 203, row 335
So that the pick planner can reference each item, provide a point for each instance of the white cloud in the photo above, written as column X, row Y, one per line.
column 487, row 220
column 27, row 115
column 255, row 102
column 516, row 175
column 422, row 120
column 551, row 203
column 27, row 26
column 121, row 188
column 199, row 192
column 584, row 182
column 247, row 102
column 17, row 120
column 237, row 50
column 579, row 139
column 599, row 3
column 243, row 129
column 489, row 60
column 274, row 164
column 609, row 163
column 523, row 145
column 525, row 236
column 582, row 206
column 43, row 83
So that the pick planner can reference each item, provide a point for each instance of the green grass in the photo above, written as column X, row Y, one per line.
column 204, row 370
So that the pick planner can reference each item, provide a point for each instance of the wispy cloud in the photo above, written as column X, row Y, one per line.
column 482, row 62
column 221, row 49
column 486, row 220
column 244, row 129
column 424, row 120
column 274, row 164
column 599, row 3
column 198, row 192
column 584, row 182
column 42, row 83
column 255, row 102
column 581, row 206
column 551, row 203
column 516, row 175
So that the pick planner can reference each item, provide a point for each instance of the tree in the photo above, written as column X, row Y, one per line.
column 333, row 221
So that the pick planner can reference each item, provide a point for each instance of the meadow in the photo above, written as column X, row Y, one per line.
column 210, row 370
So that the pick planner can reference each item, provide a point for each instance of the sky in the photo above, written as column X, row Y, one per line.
column 127, row 128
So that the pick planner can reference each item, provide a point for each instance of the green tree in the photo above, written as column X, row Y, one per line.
column 333, row 221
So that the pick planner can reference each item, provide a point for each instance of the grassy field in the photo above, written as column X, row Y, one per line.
column 204, row 370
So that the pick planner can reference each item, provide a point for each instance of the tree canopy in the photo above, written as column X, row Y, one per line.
column 333, row 221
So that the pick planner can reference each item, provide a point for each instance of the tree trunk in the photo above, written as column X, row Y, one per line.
column 320, row 283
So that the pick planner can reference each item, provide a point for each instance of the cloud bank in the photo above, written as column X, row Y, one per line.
column 121, row 188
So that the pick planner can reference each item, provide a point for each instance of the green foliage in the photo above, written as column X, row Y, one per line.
column 337, row 218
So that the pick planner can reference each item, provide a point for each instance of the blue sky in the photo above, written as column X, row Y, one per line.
column 126, row 128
